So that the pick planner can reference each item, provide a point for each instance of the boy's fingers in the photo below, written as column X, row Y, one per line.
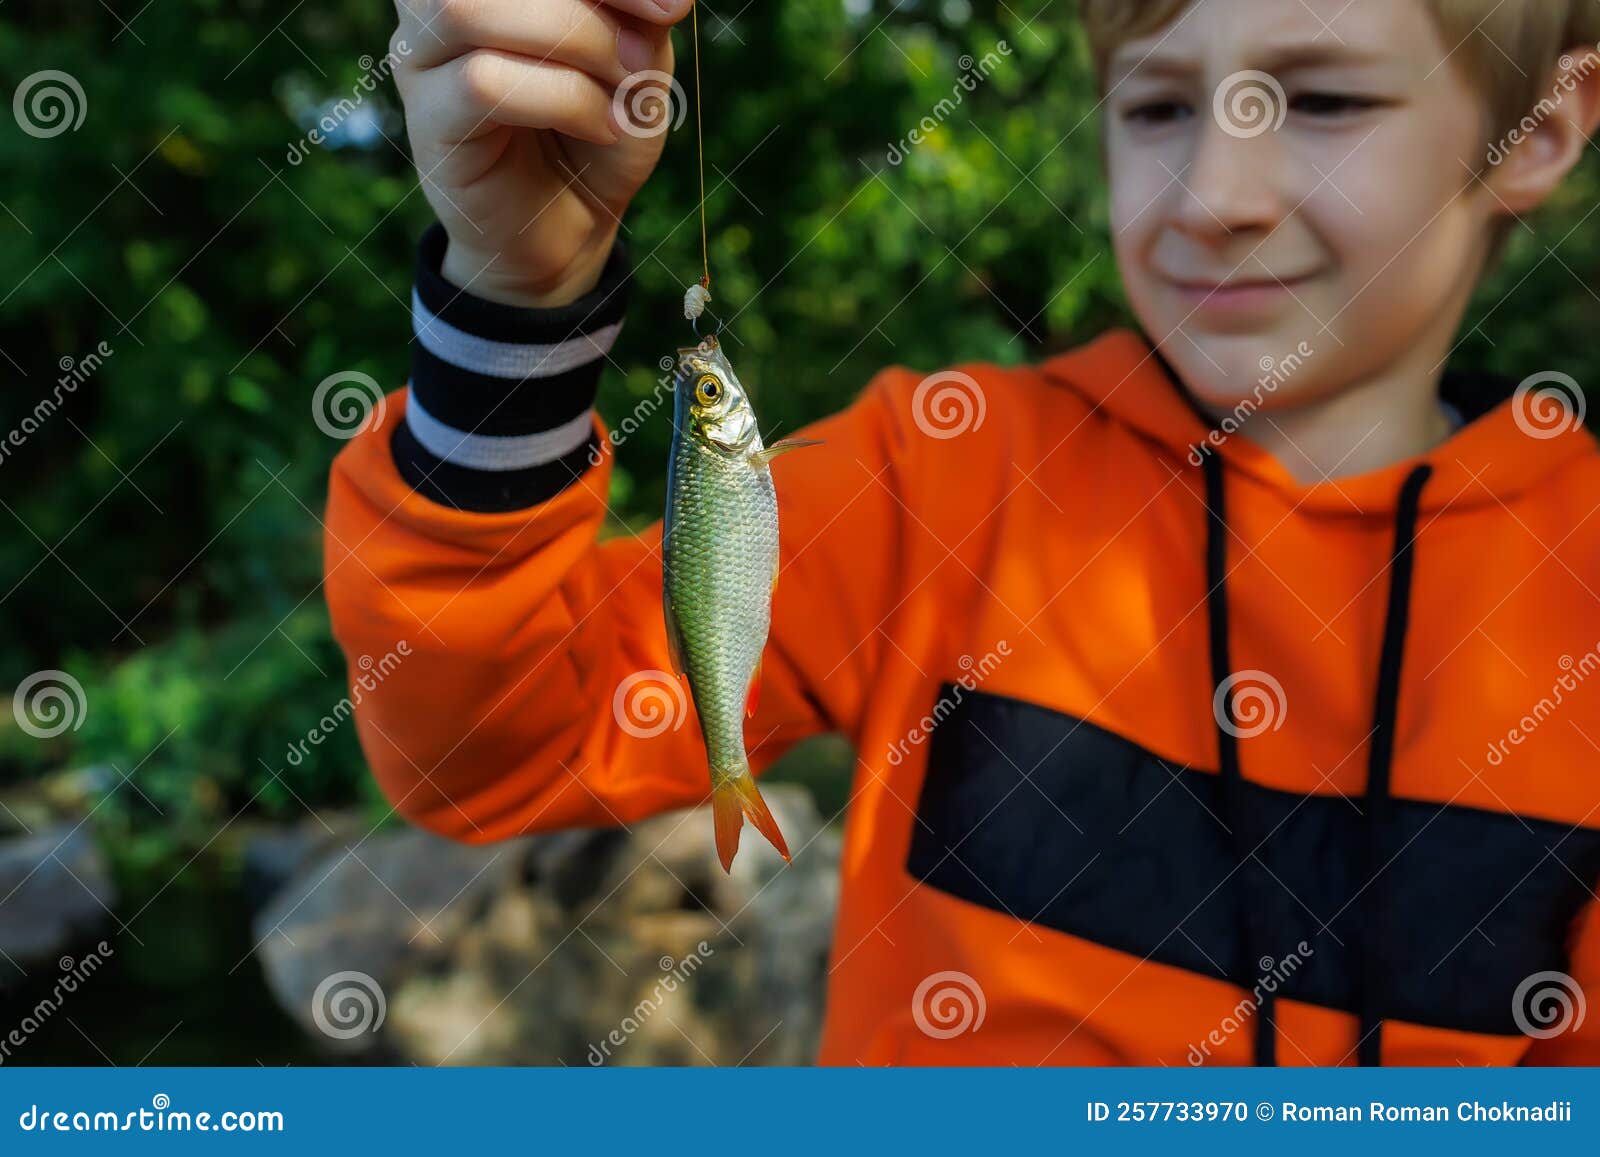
column 573, row 32
column 486, row 88
column 663, row 12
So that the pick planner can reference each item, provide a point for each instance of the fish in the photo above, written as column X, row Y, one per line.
column 719, row 555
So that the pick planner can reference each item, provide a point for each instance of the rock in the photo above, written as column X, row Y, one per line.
column 635, row 948
column 23, row 813
column 78, row 791
column 331, row 938
column 587, row 947
column 55, row 892
column 62, row 797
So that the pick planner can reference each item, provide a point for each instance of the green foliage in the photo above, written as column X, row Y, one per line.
column 165, row 537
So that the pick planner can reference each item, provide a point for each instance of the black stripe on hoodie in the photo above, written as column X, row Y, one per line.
column 501, row 409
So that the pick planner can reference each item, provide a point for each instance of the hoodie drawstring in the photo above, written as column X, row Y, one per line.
column 1381, row 757
column 1233, row 806
column 1236, row 814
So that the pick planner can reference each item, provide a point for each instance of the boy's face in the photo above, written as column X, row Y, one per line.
column 1354, row 225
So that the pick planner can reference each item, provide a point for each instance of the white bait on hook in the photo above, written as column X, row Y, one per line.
column 695, row 301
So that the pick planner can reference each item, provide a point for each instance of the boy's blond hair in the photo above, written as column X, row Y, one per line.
column 1508, row 47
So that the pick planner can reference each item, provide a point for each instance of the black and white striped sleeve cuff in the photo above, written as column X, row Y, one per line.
column 501, row 412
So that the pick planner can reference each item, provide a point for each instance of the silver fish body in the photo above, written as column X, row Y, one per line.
column 720, row 557
column 719, row 567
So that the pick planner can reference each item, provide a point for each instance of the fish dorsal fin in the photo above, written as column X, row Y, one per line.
column 763, row 457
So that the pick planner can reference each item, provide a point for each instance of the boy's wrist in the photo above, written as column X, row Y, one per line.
column 486, row 275
column 479, row 315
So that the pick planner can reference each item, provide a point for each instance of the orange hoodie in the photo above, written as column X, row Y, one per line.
column 1164, row 757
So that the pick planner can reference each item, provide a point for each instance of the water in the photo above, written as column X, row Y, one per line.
column 191, row 994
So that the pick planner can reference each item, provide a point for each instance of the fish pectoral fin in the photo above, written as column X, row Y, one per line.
column 674, row 636
column 754, row 693
column 763, row 457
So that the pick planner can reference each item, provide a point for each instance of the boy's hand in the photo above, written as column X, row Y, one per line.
column 509, row 107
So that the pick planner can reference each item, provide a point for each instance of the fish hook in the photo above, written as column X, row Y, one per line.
column 694, row 324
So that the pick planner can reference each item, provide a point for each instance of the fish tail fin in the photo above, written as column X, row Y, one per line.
column 734, row 800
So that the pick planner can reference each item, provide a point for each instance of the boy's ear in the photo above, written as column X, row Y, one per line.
column 1551, row 139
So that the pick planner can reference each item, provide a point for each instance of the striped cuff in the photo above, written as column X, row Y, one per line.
column 501, row 412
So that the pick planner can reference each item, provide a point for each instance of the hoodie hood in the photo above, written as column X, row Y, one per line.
column 1498, row 453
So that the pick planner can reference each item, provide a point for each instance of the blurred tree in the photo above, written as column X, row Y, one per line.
column 165, row 537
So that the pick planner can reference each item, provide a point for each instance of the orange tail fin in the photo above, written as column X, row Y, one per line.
column 734, row 800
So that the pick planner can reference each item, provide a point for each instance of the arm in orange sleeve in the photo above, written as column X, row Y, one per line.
column 1556, row 1002
column 535, row 653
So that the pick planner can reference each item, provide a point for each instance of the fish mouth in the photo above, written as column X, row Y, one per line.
column 703, row 358
column 706, row 347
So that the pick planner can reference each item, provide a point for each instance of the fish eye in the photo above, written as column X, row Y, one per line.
column 707, row 390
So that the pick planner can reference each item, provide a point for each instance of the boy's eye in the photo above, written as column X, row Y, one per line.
column 1330, row 104
column 1158, row 112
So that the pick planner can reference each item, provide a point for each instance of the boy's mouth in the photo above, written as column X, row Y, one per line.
column 1240, row 294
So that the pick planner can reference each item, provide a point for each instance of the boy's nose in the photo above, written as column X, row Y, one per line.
column 1232, row 185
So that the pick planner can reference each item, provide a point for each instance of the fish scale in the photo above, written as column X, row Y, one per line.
column 720, row 564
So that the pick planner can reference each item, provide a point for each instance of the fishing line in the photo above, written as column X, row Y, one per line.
column 700, row 143
column 698, row 296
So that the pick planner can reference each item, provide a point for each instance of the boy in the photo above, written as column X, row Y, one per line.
column 1254, row 591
